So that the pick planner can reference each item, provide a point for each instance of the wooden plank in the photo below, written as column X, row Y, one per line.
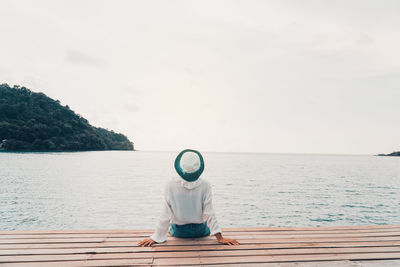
column 195, row 242
column 333, row 231
column 269, row 252
column 279, row 258
column 236, row 234
column 4, row 234
column 129, row 263
column 91, row 250
column 388, row 226
column 80, row 257
column 60, row 240
column 270, row 246
column 75, row 231
column 280, row 240
column 254, row 261
column 343, row 263
column 50, row 236
column 149, row 231
column 263, row 236
column 135, row 239
column 191, row 254
column 40, row 258
column 133, row 249
column 125, row 262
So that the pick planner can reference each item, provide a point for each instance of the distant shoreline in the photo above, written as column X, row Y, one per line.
column 393, row 154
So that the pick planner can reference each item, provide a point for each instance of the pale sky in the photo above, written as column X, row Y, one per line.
column 235, row 76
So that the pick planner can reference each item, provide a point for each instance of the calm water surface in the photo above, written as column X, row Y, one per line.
column 124, row 189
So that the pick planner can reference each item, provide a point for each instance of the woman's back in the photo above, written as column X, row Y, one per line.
column 186, row 200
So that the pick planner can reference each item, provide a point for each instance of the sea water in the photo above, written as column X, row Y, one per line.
column 124, row 189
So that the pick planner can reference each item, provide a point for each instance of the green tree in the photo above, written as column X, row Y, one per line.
column 33, row 121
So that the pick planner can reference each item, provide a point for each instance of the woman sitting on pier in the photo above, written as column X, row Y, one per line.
column 187, row 210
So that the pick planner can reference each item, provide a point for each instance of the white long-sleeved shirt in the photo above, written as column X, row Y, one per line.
column 186, row 202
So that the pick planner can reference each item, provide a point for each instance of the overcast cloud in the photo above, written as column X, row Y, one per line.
column 255, row 76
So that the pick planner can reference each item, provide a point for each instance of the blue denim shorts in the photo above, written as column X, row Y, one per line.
column 189, row 230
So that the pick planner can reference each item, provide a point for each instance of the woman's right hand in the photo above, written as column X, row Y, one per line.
column 147, row 242
column 228, row 241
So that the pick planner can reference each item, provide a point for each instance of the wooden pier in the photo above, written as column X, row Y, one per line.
column 259, row 246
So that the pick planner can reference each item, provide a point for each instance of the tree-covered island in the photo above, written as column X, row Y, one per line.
column 393, row 154
column 32, row 121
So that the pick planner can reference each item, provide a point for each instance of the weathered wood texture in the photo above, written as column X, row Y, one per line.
column 258, row 245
